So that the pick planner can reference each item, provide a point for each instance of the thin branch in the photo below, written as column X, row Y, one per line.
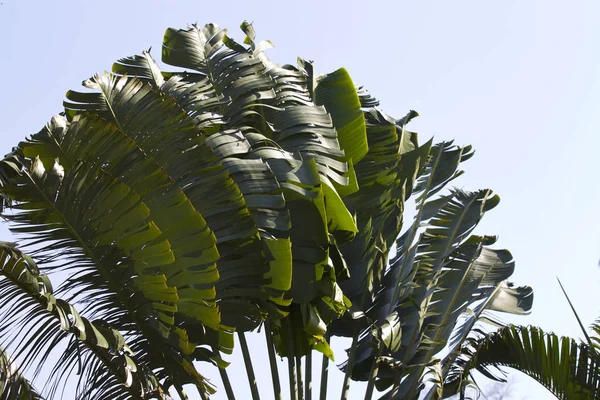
column 181, row 393
column 299, row 375
column 273, row 361
column 324, row 375
column 374, row 373
column 350, row 365
column 291, row 367
column 249, row 369
column 226, row 384
column 308, row 375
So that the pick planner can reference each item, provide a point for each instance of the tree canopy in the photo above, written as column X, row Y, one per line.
column 228, row 193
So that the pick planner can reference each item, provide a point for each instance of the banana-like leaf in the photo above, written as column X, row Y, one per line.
column 258, row 185
column 237, row 292
column 106, row 217
column 379, row 204
column 399, row 280
column 514, row 300
column 337, row 93
column 101, row 352
column 446, row 231
column 272, row 107
column 192, row 167
column 237, row 76
column 440, row 168
column 385, row 177
column 474, row 275
column 567, row 369
column 432, row 282
column 187, row 205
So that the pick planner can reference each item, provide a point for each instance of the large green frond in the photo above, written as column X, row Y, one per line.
column 567, row 369
column 272, row 107
column 99, row 351
column 103, row 214
column 383, row 175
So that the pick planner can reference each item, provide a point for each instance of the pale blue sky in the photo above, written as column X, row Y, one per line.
column 519, row 80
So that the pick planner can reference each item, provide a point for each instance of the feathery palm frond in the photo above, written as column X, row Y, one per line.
column 99, row 352
column 117, row 226
column 567, row 369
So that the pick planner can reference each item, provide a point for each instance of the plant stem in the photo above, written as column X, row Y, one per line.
column 273, row 361
column 292, row 377
column 373, row 374
column 324, row 375
column 203, row 395
column 353, row 347
column 350, row 365
column 299, row 375
column 249, row 369
column 308, row 375
column 180, row 392
column 226, row 384
column 290, row 356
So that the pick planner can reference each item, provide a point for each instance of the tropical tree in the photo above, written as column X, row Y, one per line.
column 235, row 194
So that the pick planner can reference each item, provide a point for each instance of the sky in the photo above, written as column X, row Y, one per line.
column 519, row 80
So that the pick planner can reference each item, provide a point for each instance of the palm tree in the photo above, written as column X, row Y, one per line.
column 187, row 207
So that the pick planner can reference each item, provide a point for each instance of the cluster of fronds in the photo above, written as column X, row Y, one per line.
column 187, row 206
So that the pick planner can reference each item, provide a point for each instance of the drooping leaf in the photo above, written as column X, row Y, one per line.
column 111, row 369
column 567, row 369
column 337, row 93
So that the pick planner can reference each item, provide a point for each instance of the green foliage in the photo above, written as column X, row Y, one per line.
column 186, row 206
column 27, row 290
column 568, row 369
column 12, row 384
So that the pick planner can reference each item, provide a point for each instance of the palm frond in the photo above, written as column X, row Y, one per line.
column 13, row 385
column 99, row 351
column 260, row 96
column 397, row 282
column 567, row 369
column 112, row 237
column 595, row 338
